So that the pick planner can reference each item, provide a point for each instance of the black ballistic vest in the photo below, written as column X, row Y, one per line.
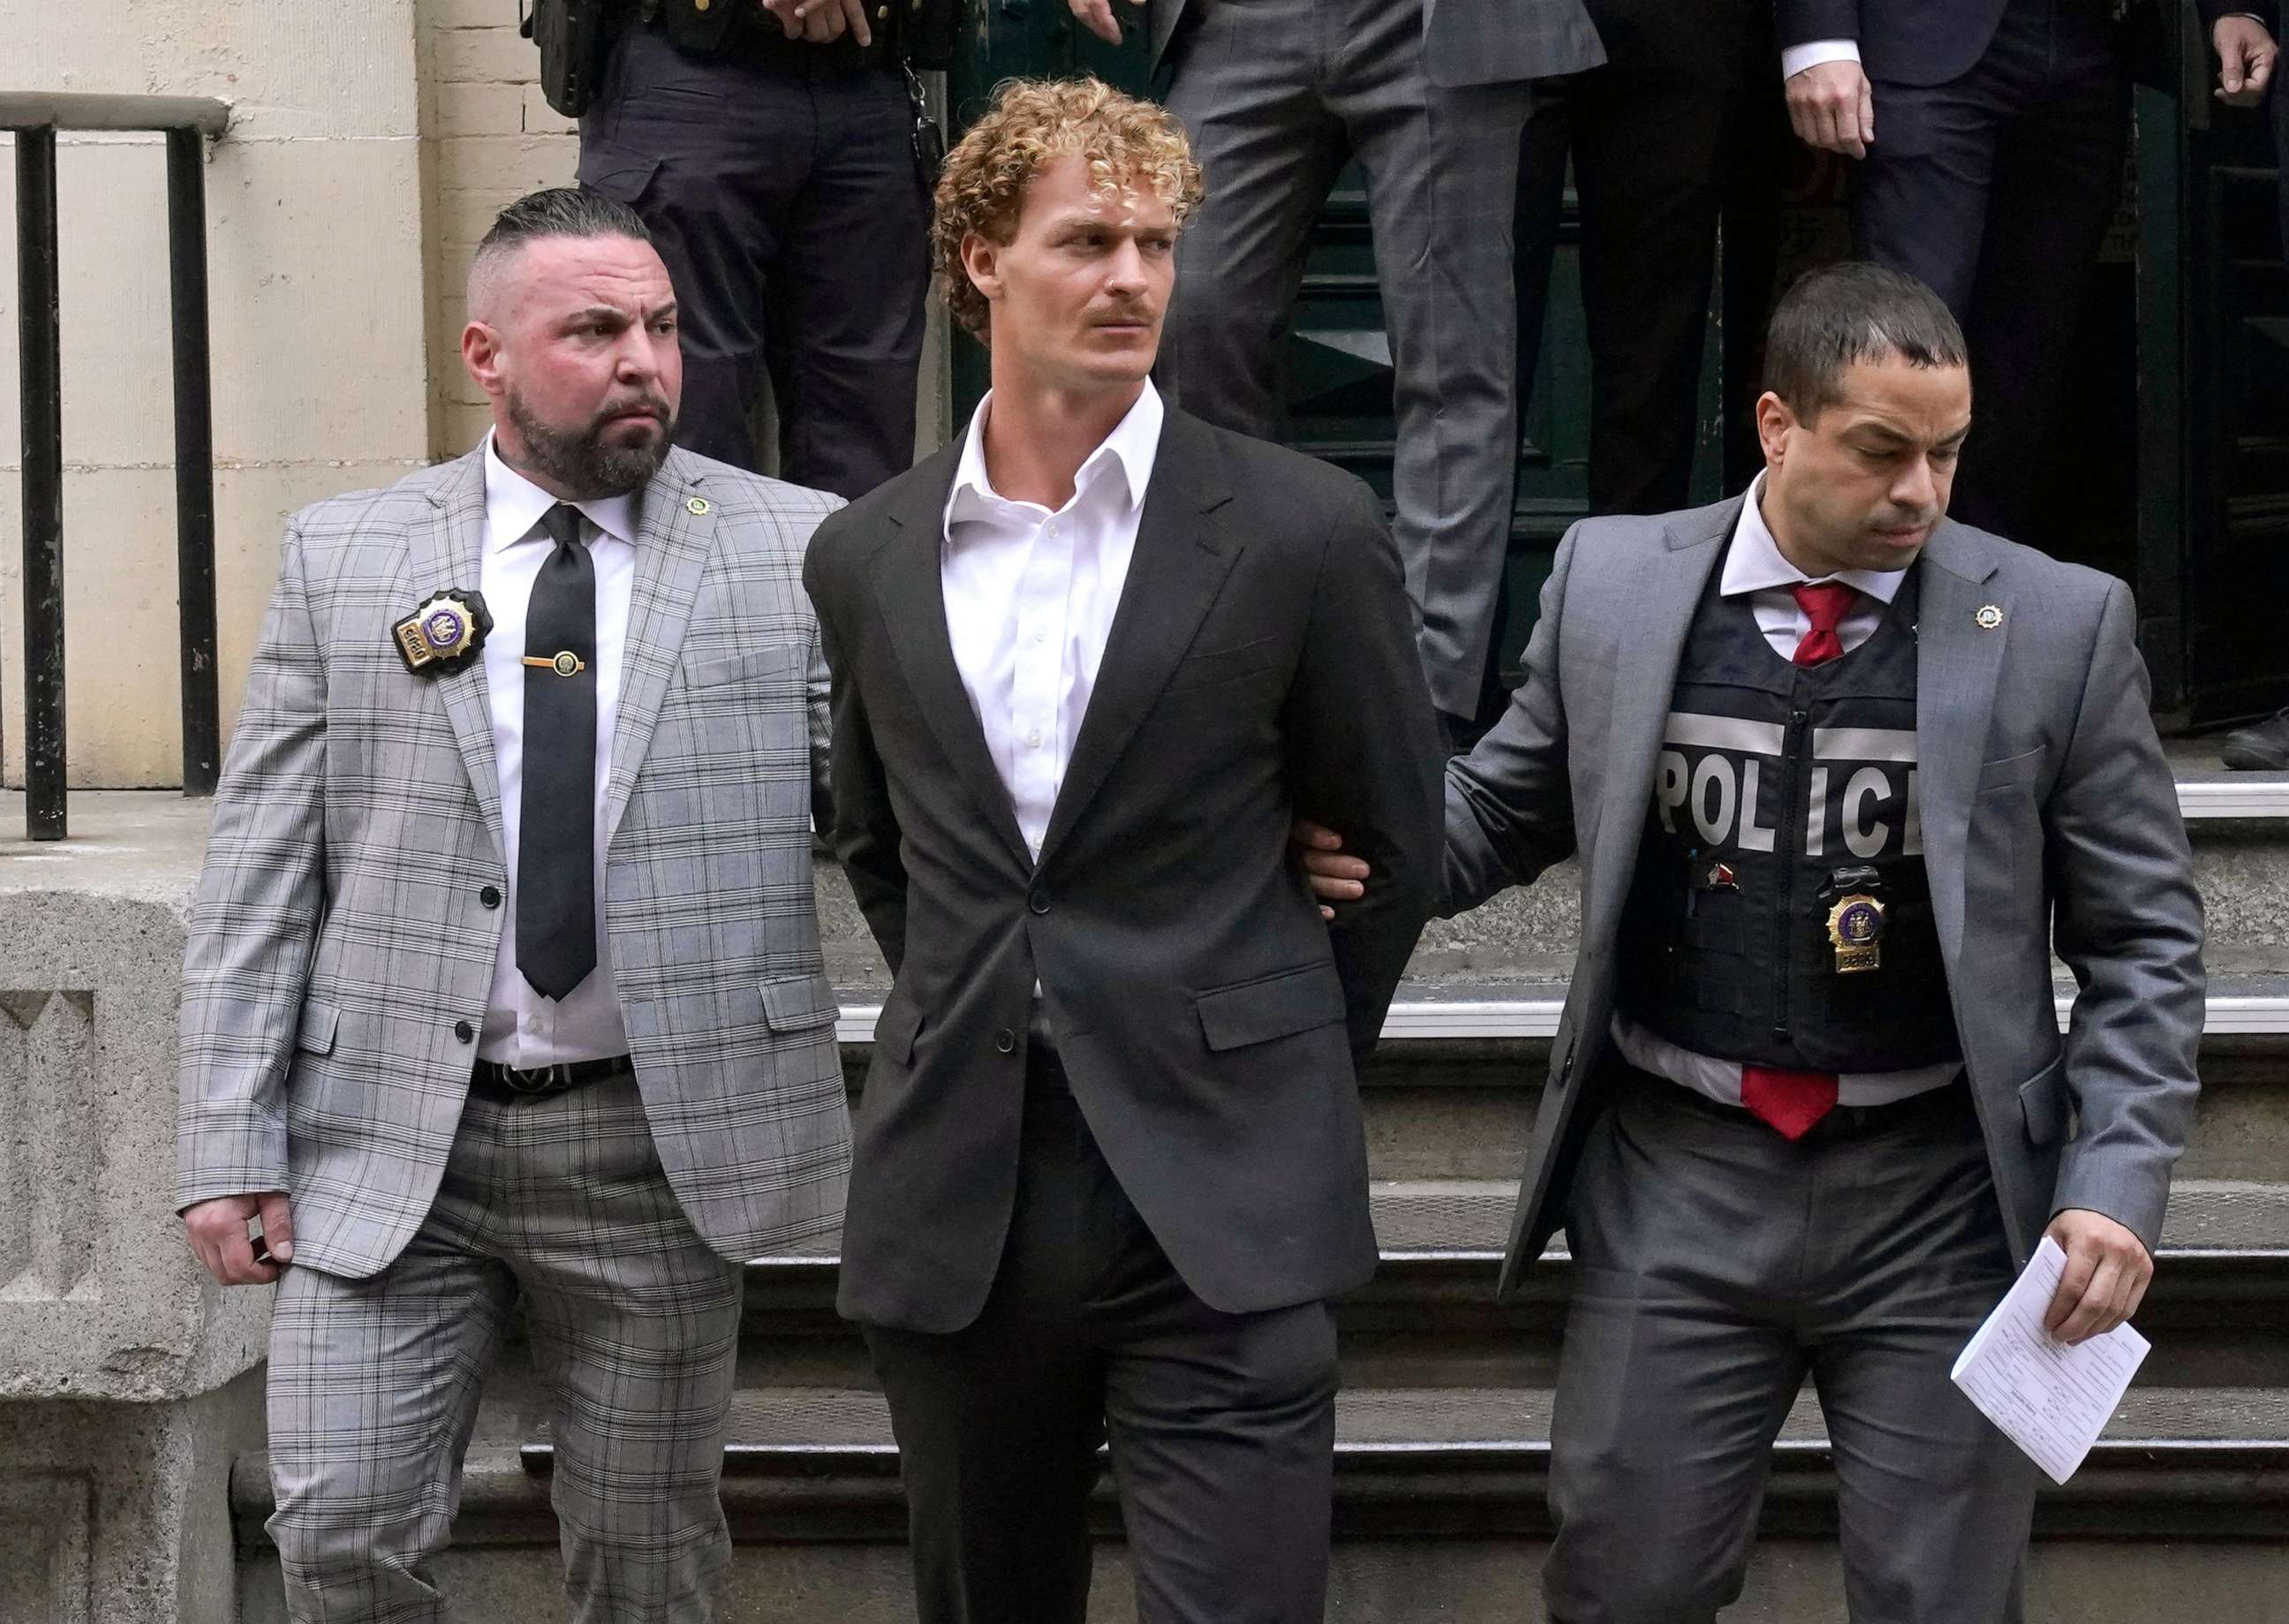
column 1782, row 793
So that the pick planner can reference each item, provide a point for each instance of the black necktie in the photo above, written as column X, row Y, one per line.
column 556, row 823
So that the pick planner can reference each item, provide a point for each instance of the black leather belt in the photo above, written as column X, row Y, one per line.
column 492, row 1081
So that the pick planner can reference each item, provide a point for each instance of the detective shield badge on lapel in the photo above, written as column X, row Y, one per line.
column 445, row 633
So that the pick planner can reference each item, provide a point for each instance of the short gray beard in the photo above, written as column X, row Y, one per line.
column 580, row 461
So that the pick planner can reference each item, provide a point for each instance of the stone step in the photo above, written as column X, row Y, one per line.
column 2239, row 822
column 2218, row 1311
column 818, row 1463
column 1452, row 1091
column 1527, row 1008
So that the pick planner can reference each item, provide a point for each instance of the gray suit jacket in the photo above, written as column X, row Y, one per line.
column 2050, row 819
column 339, row 944
column 1465, row 42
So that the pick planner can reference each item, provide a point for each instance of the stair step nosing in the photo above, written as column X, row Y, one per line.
column 1538, row 1016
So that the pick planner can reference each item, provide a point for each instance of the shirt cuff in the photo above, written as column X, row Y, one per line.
column 1813, row 53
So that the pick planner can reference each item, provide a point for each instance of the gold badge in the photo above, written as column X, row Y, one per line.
column 444, row 632
column 696, row 506
column 1855, row 929
column 1989, row 617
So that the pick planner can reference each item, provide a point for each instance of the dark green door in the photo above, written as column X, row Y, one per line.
column 2212, row 568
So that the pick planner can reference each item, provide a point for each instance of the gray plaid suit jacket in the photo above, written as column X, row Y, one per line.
column 1467, row 42
column 341, row 957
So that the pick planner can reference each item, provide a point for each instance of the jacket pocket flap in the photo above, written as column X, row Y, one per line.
column 1258, row 1011
column 315, row 1035
column 2043, row 1104
column 619, row 172
column 797, row 1003
column 741, row 667
column 896, row 1028
column 1216, row 666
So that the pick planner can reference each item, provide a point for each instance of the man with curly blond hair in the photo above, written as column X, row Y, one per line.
column 1088, row 663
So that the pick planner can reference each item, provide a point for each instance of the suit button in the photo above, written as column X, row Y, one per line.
column 464, row 1032
column 1006, row 1041
column 489, row 896
column 1039, row 902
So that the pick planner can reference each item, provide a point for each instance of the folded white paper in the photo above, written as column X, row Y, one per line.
column 2050, row 1399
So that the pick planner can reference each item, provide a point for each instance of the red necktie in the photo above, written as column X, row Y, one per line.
column 1791, row 1101
column 1825, row 603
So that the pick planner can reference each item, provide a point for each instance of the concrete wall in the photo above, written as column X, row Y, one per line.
column 316, row 263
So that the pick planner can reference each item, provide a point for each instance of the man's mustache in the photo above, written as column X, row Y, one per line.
column 649, row 405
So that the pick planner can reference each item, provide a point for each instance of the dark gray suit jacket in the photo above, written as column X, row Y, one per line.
column 1930, row 42
column 1261, row 664
column 2050, row 820
column 1465, row 41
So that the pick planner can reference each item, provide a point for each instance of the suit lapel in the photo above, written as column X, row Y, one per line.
column 1178, row 565
column 909, row 587
column 1956, row 660
column 1660, row 605
column 449, row 555
column 671, row 546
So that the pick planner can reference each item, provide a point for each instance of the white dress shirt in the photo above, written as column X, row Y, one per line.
column 1754, row 568
column 1030, row 596
column 1813, row 53
column 523, row 1028
column 1753, row 565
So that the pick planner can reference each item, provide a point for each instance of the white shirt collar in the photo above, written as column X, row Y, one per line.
column 514, row 504
column 1753, row 562
column 1129, row 449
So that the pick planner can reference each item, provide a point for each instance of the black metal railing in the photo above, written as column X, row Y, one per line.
column 187, row 121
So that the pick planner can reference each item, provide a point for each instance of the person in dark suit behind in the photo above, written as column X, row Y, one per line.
column 1677, row 128
column 1428, row 100
column 1087, row 663
column 1990, row 135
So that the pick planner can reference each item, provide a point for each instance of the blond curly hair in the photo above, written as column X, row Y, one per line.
column 1033, row 124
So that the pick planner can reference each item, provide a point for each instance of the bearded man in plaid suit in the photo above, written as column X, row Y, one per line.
column 504, row 978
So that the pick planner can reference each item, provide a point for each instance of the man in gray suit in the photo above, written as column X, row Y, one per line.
column 1840, row 774
column 504, row 979
column 1429, row 96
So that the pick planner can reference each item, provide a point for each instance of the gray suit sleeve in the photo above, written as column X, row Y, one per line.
column 1510, row 802
column 254, row 920
column 2128, row 923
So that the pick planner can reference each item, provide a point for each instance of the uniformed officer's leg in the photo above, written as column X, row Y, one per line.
column 373, row 1390
column 1935, row 1502
column 1245, row 89
column 846, row 303
column 1442, row 186
column 711, row 153
column 1679, row 1365
column 635, row 1320
column 2058, row 172
column 1657, row 131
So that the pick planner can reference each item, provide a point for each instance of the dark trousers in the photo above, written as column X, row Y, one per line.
column 1678, row 129
column 1716, row 1266
column 793, row 220
column 1222, row 1426
column 1996, row 189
